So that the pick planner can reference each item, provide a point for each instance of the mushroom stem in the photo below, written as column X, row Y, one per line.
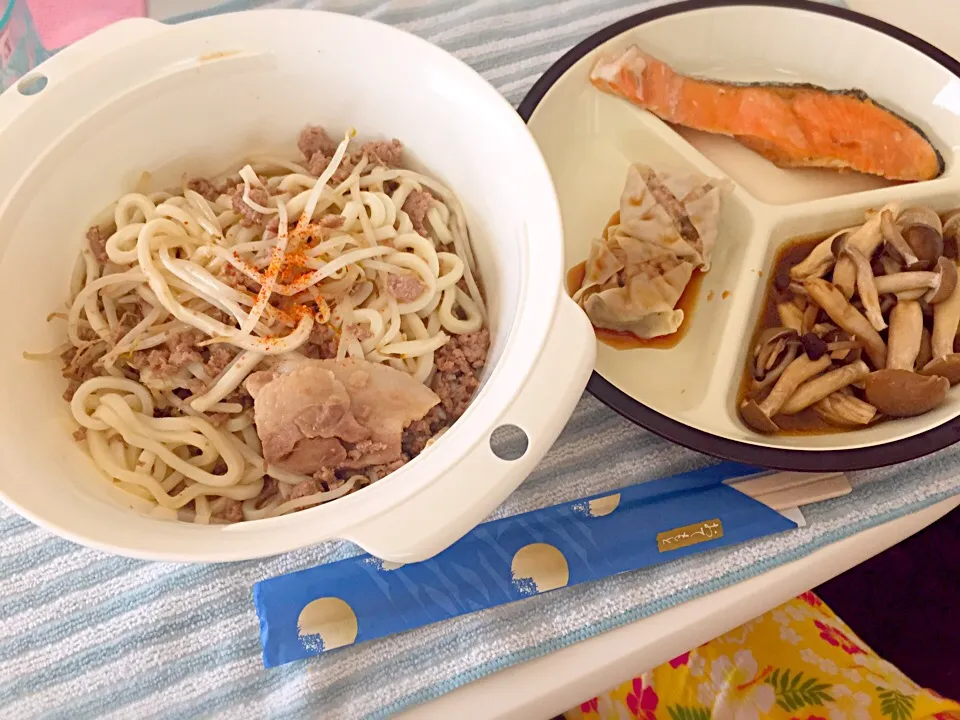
column 820, row 259
column 926, row 348
column 946, row 320
column 798, row 372
column 758, row 415
column 818, row 388
column 866, row 239
column 832, row 301
column 905, row 282
column 866, row 287
column 809, row 318
column 938, row 284
column 791, row 316
column 906, row 330
column 892, row 235
column 845, row 410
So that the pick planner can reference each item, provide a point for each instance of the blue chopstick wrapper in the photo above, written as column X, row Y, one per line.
column 351, row 601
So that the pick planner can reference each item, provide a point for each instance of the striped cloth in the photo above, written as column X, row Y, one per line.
column 83, row 634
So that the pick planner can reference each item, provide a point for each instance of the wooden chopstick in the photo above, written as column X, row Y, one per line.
column 783, row 490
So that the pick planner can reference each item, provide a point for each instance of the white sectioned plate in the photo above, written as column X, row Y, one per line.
column 688, row 393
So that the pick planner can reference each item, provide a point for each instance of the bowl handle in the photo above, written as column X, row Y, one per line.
column 412, row 531
column 75, row 57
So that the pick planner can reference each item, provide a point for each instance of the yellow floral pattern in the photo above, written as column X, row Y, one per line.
column 798, row 662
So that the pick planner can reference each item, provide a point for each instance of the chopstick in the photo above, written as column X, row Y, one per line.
column 784, row 490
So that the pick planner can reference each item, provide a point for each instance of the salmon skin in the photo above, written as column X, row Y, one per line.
column 791, row 125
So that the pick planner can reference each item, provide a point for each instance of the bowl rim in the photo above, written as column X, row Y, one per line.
column 874, row 456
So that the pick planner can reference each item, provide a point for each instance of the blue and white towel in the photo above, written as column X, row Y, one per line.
column 83, row 634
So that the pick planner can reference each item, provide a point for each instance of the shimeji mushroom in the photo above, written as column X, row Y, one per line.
column 906, row 331
column 820, row 260
column 776, row 348
column 866, row 239
column 818, row 388
column 834, row 304
column 896, row 242
column 845, row 410
column 926, row 346
column 904, row 393
column 946, row 320
column 923, row 232
column 866, row 287
column 951, row 234
column 934, row 286
column 791, row 316
column 759, row 415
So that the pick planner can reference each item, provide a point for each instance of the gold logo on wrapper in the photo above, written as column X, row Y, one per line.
column 689, row 535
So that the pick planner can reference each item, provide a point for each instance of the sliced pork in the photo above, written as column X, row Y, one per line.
column 317, row 414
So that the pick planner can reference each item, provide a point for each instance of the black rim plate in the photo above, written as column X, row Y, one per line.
column 809, row 460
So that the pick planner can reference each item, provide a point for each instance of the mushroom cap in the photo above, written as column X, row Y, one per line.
column 902, row 393
column 920, row 215
column 946, row 367
column 775, row 333
column 947, row 269
column 754, row 417
column 923, row 231
column 951, row 234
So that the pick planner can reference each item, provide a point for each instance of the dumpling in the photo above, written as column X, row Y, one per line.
column 602, row 265
column 644, row 304
column 635, row 274
column 679, row 212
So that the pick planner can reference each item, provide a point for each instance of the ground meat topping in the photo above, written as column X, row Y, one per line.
column 220, row 357
column 159, row 365
column 237, row 279
column 322, row 343
column 204, row 187
column 389, row 154
column 230, row 510
column 378, row 472
column 314, row 139
column 417, row 205
column 310, row 486
column 405, row 287
column 318, row 163
column 360, row 332
column 458, row 364
column 418, row 433
column 98, row 243
column 250, row 216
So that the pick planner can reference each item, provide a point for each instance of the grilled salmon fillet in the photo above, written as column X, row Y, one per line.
column 790, row 125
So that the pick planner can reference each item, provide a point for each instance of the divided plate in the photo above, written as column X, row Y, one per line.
column 688, row 393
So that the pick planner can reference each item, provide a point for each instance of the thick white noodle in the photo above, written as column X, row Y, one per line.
column 177, row 444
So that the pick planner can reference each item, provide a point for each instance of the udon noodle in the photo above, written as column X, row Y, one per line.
column 184, row 303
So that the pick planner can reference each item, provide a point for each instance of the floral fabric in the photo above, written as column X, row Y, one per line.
column 798, row 662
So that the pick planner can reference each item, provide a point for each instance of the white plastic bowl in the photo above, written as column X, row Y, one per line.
column 140, row 96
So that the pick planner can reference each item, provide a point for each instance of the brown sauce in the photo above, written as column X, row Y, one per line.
column 623, row 340
column 806, row 422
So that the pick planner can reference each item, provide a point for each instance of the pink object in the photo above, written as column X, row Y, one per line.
column 59, row 23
